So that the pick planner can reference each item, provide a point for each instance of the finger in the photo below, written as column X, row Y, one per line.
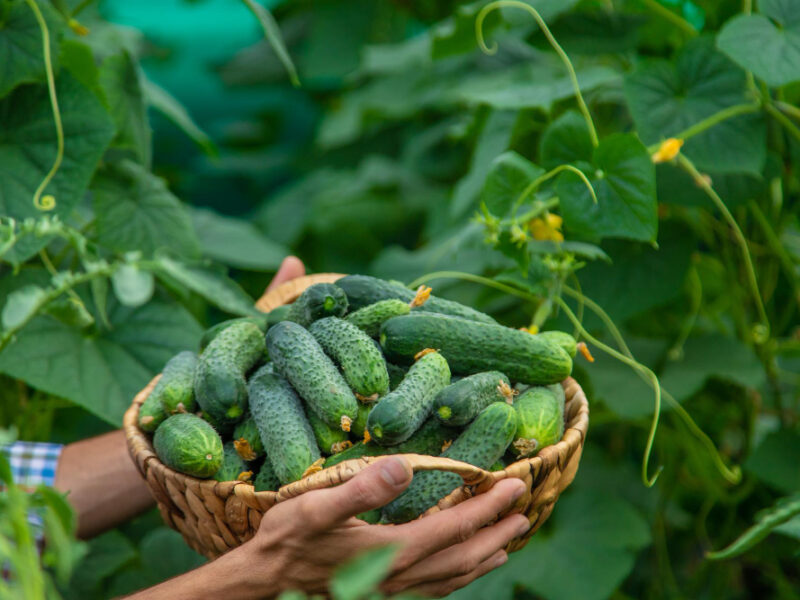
column 464, row 558
column 291, row 268
column 373, row 487
column 445, row 587
column 457, row 524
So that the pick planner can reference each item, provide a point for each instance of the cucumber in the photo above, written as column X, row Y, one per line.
column 562, row 339
column 355, row 352
column 266, row 480
column 360, row 423
column 371, row 516
column 540, row 419
column 472, row 347
column 175, row 389
column 187, row 443
column 233, row 467
column 399, row 414
column 429, row 439
column 396, row 374
column 330, row 440
column 300, row 359
column 481, row 444
column 460, row 402
column 151, row 414
column 318, row 301
column 370, row 318
column 209, row 334
column 247, row 439
column 363, row 290
column 224, row 429
column 285, row 432
column 219, row 384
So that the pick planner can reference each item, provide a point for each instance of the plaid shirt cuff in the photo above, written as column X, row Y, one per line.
column 33, row 463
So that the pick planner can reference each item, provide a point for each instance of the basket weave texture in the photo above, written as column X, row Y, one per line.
column 215, row 517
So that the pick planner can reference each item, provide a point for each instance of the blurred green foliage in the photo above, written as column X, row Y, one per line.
column 406, row 151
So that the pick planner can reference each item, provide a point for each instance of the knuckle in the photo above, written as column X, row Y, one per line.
column 466, row 564
column 467, row 528
column 361, row 492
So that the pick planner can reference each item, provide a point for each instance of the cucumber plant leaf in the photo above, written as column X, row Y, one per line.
column 21, row 58
column 774, row 460
column 666, row 98
column 101, row 371
column 137, row 213
column 132, row 286
column 623, row 178
column 565, row 140
column 509, row 175
column 359, row 577
column 767, row 44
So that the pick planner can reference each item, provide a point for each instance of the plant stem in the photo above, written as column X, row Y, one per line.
column 670, row 16
column 710, row 121
column 555, row 45
column 533, row 185
column 789, row 109
column 761, row 336
column 777, row 247
column 781, row 118
column 473, row 278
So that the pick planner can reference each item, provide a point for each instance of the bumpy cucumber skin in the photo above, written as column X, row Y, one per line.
column 326, row 436
column 363, row 290
column 396, row 375
column 472, row 347
column 481, row 444
column 281, row 420
column 355, row 352
column 266, row 480
column 175, row 389
column 359, row 425
column 316, row 302
column 428, row 439
column 401, row 412
column 370, row 318
column 187, row 443
column 151, row 407
column 540, row 417
column 219, row 384
column 561, row 338
column 300, row 359
column 213, row 331
column 232, row 464
column 462, row 401
column 248, row 431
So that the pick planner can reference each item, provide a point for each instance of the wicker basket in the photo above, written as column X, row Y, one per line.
column 214, row 517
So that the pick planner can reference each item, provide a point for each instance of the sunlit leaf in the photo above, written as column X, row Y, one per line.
column 359, row 577
column 132, row 286
column 21, row 304
column 509, row 175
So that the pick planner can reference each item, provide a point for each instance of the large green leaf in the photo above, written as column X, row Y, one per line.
column 236, row 242
column 359, row 578
column 101, row 371
column 28, row 145
column 767, row 44
column 121, row 83
column 566, row 140
column 623, row 178
column 136, row 212
column 666, row 98
column 21, row 59
column 774, row 461
column 508, row 177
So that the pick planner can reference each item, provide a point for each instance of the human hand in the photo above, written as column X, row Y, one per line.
column 291, row 268
column 301, row 541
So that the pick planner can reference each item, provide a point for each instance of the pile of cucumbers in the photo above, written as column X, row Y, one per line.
column 362, row 367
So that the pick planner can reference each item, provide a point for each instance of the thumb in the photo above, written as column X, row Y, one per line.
column 375, row 486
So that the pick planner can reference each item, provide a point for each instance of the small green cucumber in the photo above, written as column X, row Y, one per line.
column 233, row 467
column 175, row 389
column 300, row 359
column 281, row 420
column 151, row 414
column 472, row 347
column 222, row 428
column 370, row 318
column 355, row 352
column 360, row 423
column 266, row 480
column 219, row 384
column 396, row 374
column 329, row 439
column 400, row 413
column 316, row 302
column 460, row 402
column 363, row 290
column 187, row 443
column 481, row 444
column 209, row 334
column 429, row 439
column 562, row 339
column 540, row 420
column 247, row 439
column 371, row 516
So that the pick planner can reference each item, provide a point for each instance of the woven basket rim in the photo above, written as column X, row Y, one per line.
column 143, row 453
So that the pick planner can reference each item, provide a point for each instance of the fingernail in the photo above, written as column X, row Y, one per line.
column 393, row 471
column 523, row 527
column 501, row 560
column 517, row 493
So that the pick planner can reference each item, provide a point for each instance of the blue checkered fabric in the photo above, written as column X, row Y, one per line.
column 33, row 463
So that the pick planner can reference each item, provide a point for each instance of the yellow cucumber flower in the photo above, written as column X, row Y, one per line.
column 548, row 228
column 668, row 150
